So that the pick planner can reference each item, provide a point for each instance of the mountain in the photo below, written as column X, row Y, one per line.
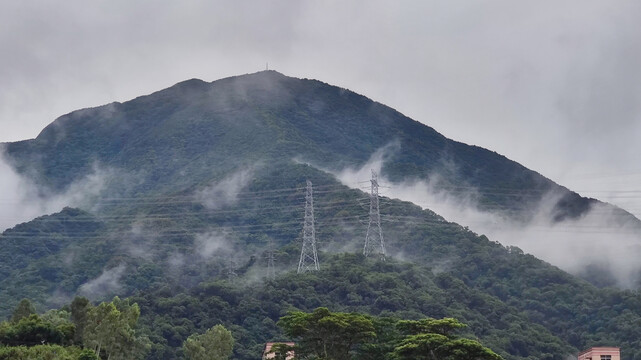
column 195, row 131
column 199, row 180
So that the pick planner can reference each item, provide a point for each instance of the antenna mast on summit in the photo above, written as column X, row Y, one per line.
column 308, row 257
column 374, row 242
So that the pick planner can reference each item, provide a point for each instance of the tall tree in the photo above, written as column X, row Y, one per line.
column 80, row 306
column 23, row 310
column 432, row 339
column 326, row 334
column 216, row 343
column 110, row 327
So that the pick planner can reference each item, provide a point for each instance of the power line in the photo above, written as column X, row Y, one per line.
column 199, row 214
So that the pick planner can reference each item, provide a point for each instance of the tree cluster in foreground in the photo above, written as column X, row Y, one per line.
column 82, row 331
column 327, row 335
column 77, row 331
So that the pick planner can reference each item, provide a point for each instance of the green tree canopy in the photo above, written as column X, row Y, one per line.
column 445, row 326
column 323, row 334
column 45, row 352
column 23, row 310
column 216, row 343
column 79, row 308
column 326, row 334
column 431, row 339
column 110, row 327
column 437, row 346
column 34, row 330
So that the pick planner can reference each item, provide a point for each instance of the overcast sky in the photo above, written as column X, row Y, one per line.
column 554, row 85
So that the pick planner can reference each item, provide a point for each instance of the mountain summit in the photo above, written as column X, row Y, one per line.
column 206, row 130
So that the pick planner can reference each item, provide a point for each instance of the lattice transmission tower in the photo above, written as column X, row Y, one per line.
column 231, row 270
column 308, row 257
column 271, row 270
column 374, row 242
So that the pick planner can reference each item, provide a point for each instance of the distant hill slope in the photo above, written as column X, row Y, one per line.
column 208, row 176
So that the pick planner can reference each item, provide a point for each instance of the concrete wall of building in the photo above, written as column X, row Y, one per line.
column 600, row 353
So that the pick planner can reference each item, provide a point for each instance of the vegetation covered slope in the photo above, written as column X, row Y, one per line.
column 209, row 176
column 195, row 131
column 176, row 267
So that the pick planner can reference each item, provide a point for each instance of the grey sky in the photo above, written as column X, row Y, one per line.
column 555, row 85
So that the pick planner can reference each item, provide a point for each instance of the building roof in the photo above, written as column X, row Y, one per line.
column 601, row 348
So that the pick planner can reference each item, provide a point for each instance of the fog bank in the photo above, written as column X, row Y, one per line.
column 594, row 239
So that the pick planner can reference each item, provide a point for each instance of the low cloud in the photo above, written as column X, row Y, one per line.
column 224, row 192
column 176, row 261
column 139, row 241
column 212, row 243
column 352, row 176
column 108, row 282
column 59, row 298
column 598, row 238
column 22, row 200
column 344, row 241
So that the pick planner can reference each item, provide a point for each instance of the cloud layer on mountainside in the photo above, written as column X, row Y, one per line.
column 22, row 200
column 596, row 239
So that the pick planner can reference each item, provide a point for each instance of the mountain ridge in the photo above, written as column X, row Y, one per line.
column 120, row 123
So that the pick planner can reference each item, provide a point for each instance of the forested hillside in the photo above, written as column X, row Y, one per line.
column 194, row 132
column 205, row 179
column 518, row 305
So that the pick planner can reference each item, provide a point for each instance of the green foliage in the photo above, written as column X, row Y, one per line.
column 327, row 335
column 57, row 317
column 322, row 334
column 251, row 311
column 23, row 310
column 435, row 339
column 44, row 352
column 34, row 330
column 79, row 307
column 445, row 326
column 35, row 257
column 431, row 346
column 87, row 354
column 215, row 344
column 110, row 327
column 382, row 346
